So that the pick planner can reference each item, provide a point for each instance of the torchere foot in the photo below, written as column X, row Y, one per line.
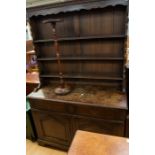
column 62, row 90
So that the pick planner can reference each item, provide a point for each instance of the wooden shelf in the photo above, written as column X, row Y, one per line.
column 83, row 58
column 82, row 38
column 82, row 77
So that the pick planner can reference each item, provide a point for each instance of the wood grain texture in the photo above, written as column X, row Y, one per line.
column 87, row 143
column 90, row 30
column 58, row 117
column 104, row 37
column 90, row 110
column 84, row 95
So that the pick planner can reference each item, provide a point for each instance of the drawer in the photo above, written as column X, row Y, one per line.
column 99, row 126
column 101, row 112
column 47, row 105
column 97, row 112
column 53, row 106
column 79, row 109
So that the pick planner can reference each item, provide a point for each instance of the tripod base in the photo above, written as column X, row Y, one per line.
column 62, row 90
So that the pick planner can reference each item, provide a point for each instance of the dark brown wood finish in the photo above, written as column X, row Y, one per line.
column 99, row 126
column 127, row 127
column 91, row 38
column 105, row 39
column 72, row 6
column 53, row 127
column 105, row 113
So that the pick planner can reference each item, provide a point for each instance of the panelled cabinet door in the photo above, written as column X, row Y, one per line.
column 53, row 128
column 99, row 126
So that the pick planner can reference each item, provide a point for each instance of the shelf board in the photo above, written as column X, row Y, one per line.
column 81, row 38
column 82, row 58
column 82, row 77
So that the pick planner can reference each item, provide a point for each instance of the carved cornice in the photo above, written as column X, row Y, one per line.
column 72, row 6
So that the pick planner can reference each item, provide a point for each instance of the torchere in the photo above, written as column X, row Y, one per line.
column 63, row 88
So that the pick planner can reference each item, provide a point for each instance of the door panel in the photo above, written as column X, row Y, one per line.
column 52, row 127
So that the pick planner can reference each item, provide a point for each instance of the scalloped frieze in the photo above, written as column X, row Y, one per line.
column 70, row 7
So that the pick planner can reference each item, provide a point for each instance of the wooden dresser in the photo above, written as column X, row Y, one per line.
column 92, row 37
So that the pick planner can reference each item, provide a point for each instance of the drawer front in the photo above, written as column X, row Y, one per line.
column 101, row 112
column 47, row 105
column 97, row 112
column 79, row 109
column 99, row 126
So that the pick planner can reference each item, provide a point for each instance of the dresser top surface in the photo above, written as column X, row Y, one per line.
column 81, row 94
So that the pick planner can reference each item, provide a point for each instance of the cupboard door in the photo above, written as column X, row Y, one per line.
column 100, row 126
column 53, row 128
